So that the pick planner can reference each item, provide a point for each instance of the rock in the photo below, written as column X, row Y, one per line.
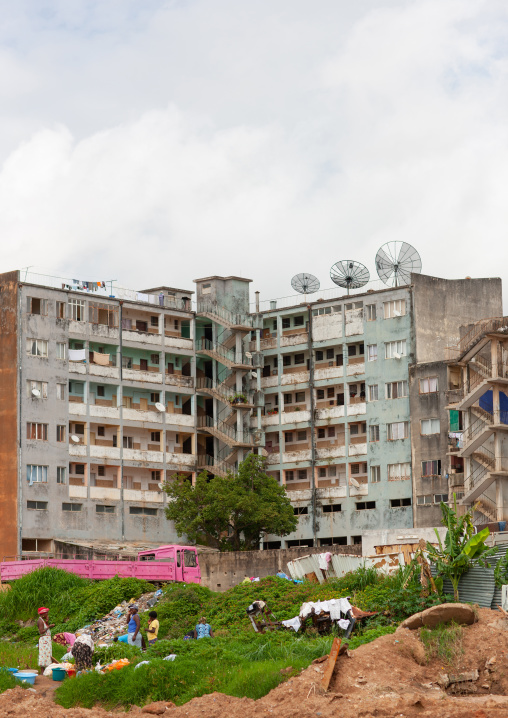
column 361, row 680
column 489, row 665
column 414, row 621
column 466, row 676
column 443, row 680
column 460, row 613
column 158, row 708
column 486, row 686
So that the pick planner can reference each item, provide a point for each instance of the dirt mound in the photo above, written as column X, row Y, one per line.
column 386, row 678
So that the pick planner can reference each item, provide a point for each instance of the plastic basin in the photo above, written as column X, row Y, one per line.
column 26, row 676
column 13, row 670
column 58, row 674
column 71, row 672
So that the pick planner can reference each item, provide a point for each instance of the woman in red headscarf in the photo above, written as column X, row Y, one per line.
column 45, row 657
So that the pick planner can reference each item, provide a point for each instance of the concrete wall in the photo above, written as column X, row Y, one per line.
column 428, row 448
column 441, row 306
column 8, row 415
column 220, row 571
column 395, row 537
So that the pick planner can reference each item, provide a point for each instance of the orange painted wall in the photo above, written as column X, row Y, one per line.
column 8, row 415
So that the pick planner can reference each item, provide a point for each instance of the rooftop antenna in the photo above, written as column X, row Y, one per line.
column 305, row 284
column 395, row 261
column 349, row 274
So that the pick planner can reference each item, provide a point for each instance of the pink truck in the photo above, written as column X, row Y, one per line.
column 166, row 563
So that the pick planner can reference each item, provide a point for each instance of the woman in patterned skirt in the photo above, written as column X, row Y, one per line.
column 45, row 657
column 82, row 652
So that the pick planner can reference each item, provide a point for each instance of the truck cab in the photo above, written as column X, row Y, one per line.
column 184, row 559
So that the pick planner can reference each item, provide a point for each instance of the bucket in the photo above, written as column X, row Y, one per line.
column 71, row 672
column 26, row 676
column 58, row 674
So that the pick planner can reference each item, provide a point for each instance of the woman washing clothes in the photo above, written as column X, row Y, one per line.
column 82, row 652
column 67, row 640
column 45, row 657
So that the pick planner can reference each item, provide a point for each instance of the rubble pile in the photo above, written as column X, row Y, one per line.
column 114, row 623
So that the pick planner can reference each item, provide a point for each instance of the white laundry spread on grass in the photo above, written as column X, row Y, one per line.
column 336, row 607
column 293, row 623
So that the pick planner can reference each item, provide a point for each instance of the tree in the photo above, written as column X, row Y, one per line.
column 233, row 512
column 462, row 548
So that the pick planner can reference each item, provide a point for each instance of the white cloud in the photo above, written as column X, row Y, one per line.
column 195, row 138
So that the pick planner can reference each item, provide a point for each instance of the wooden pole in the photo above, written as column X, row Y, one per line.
column 332, row 659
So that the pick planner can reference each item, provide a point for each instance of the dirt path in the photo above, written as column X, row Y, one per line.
column 383, row 679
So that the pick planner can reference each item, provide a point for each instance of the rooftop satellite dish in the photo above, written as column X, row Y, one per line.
column 349, row 274
column 354, row 483
column 75, row 439
column 160, row 407
column 395, row 261
column 248, row 355
column 254, row 375
column 36, row 392
column 305, row 283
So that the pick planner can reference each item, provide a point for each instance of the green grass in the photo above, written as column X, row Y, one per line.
column 7, row 681
column 443, row 642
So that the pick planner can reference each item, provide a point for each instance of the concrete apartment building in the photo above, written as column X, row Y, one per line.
column 103, row 398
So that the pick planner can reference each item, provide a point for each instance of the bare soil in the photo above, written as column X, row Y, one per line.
column 385, row 678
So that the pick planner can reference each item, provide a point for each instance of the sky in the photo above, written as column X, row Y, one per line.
column 160, row 141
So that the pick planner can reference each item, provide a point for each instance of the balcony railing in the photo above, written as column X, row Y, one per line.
column 477, row 427
column 231, row 318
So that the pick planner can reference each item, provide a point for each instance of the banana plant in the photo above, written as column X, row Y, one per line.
column 461, row 549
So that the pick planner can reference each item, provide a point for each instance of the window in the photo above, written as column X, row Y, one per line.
column 156, row 475
column 398, row 430
column 440, row 497
column 430, row 426
column 365, row 505
column 395, row 350
column 395, row 308
column 354, row 429
column 126, row 362
column 302, row 474
column 60, row 432
column 370, row 312
column 37, row 389
column 37, row 432
column 189, row 559
column 37, row 347
column 102, row 509
column 37, row 505
column 79, row 429
column 142, row 510
column 319, row 355
column 101, row 471
column 288, row 398
column 330, row 353
column 79, row 469
column 371, row 352
column 428, row 385
column 431, row 468
column 300, row 510
column 154, row 321
column 374, row 432
column 61, row 475
column 397, row 472
column 397, row 503
column 332, row 508
column 330, row 392
column 35, row 305
column 72, row 507
column 373, row 392
column 128, row 442
column 155, row 437
column 300, row 396
column 321, row 434
column 154, row 397
column 298, row 322
column 60, row 392
column 424, row 500
column 77, row 310
column 274, row 327
column 286, row 360
column 155, row 359
column 290, row 475
column 60, row 310
column 301, row 435
column 375, row 474
column 288, row 437
column 299, row 359
column 320, row 393
column 331, row 431
column 100, row 391
column 396, row 389
column 286, row 323
column 61, row 350
column 355, row 468
column 37, row 474
column 351, row 350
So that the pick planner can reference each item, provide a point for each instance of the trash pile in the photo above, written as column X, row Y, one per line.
column 114, row 624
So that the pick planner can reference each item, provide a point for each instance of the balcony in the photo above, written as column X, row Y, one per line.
column 77, row 450
column 153, row 497
column 291, row 340
column 137, row 375
column 331, row 452
column 143, row 337
column 104, row 493
column 181, row 460
column 77, row 492
column 107, row 372
column 333, row 412
column 179, row 343
column 357, row 408
column 104, row 452
column 77, row 408
column 104, row 412
column 293, row 457
column 362, row 490
column 357, row 449
column 76, row 367
column 331, row 372
column 356, row 368
column 145, row 456
column 179, row 380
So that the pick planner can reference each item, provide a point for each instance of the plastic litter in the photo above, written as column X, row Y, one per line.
column 143, row 663
column 171, row 657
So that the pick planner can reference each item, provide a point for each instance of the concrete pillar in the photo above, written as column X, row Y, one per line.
column 495, row 404
column 494, row 347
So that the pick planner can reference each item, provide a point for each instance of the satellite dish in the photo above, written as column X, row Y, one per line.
column 36, row 392
column 349, row 274
column 160, row 407
column 254, row 375
column 395, row 261
column 396, row 355
column 160, row 486
column 305, row 283
column 248, row 355
column 354, row 483
column 75, row 439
